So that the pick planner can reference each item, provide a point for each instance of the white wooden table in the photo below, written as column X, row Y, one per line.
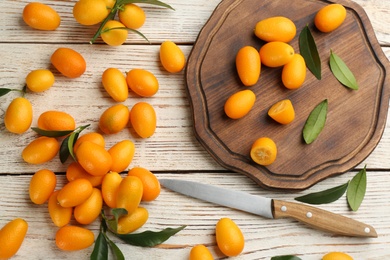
column 173, row 151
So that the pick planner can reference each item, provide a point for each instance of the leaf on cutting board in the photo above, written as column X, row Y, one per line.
column 324, row 197
column 315, row 122
column 357, row 189
column 308, row 50
column 341, row 71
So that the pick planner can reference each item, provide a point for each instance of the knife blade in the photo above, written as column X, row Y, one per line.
column 272, row 208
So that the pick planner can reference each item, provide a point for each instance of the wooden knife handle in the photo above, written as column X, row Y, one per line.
column 322, row 219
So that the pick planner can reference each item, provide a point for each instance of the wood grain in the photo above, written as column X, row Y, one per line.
column 174, row 151
column 355, row 120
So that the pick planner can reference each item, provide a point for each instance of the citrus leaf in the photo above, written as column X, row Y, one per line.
column 324, row 197
column 341, row 71
column 140, row 34
column 357, row 189
column 285, row 257
column 315, row 122
column 71, row 141
column 149, row 238
column 151, row 2
column 4, row 91
column 64, row 151
column 115, row 249
column 309, row 52
column 51, row 133
column 100, row 250
column 113, row 223
column 73, row 138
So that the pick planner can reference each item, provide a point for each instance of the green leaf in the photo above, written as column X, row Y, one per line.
column 139, row 33
column 4, row 91
column 117, row 212
column 357, row 189
column 285, row 257
column 149, row 238
column 151, row 2
column 71, row 141
column 341, row 71
column 315, row 122
column 118, row 5
column 324, row 197
column 64, row 151
column 100, row 250
column 127, row 29
column 51, row 133
column 115, row 249
column 73, row 138
column 309, row 52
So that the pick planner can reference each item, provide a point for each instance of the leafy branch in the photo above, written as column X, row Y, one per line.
column 119, row 6
column 67, row 144
column 5, row 91
column 145, row 239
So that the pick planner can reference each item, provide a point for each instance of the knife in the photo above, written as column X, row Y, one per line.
column 272, row 208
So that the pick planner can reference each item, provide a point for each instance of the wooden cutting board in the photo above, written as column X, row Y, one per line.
column 355, row 119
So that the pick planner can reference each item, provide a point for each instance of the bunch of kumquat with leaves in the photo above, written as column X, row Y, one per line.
column 95, row 188
column 113, row 32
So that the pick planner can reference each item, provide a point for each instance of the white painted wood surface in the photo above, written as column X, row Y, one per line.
column 173, row 151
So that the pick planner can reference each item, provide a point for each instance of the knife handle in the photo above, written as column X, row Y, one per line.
column 322, row 219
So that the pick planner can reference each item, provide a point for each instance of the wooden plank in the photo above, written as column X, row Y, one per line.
column 264, row 238
column 181, row 25
column 73, row 96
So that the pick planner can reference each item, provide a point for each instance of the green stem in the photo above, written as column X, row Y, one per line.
column 110, row 16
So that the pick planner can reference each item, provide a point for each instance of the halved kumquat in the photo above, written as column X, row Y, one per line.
column 264, row 151
column 282, row 112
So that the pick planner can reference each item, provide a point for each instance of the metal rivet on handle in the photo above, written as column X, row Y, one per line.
column 283, row 208
column 309, row 214
column 367, row 230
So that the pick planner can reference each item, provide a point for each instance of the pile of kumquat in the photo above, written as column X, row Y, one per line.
column 98, row 178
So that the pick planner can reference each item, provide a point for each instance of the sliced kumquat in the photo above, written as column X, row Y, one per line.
column 264, row 151
column 282, row 112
